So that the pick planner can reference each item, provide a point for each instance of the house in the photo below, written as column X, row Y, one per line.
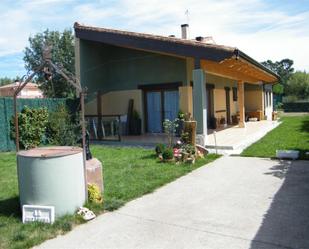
column 30, row 91
column 219, row 85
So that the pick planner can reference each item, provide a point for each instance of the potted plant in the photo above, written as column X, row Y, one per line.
column 159, row 149
column 213, row 122
column 136, row 124
column 189, row 153
column 168, row 155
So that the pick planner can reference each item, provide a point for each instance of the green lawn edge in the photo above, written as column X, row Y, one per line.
column 291, row 134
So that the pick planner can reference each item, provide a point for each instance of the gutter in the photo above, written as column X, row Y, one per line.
column 240, row 54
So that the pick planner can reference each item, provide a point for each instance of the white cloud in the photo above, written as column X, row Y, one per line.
column 255, row 27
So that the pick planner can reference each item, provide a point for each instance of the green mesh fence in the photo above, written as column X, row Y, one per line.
column 7, row 112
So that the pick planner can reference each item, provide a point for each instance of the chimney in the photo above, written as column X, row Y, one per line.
column 185, row 31
column 205, row 39
column 199, row 38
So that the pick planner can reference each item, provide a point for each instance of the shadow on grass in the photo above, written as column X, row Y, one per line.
column 286, row 222
column 10, row 207
column 151, row 156
column 305, row 126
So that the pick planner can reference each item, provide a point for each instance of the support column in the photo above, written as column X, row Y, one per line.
column 241, row 103
column 199, row 105
column 185, row 99
column 272, row 101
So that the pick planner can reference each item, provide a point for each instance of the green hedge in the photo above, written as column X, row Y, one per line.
column 296, row 107
column 7, row 112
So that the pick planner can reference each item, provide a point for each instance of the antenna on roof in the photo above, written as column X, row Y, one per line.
column 187, row 15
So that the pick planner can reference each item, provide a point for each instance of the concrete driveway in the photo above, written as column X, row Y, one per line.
column 233, row 203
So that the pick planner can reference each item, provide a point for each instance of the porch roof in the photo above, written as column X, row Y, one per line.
column 219, row 59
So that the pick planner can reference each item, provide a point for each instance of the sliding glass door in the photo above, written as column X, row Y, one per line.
column 154, row 112
column 161, row 105
column 171, row 105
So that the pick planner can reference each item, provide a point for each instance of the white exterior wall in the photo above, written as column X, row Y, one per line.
column 268, row 102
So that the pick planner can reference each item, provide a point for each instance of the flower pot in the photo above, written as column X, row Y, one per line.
column 190, row 160
column 213, row 123
column 136, row 127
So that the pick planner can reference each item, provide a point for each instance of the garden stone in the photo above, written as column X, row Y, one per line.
column 95, row 173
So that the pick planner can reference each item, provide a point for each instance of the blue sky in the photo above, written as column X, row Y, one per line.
column 263, row 29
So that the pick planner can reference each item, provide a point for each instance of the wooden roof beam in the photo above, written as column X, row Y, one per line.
column 253, row 70
column 221, row 70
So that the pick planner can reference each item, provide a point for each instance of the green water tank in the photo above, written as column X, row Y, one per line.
column 52, row 176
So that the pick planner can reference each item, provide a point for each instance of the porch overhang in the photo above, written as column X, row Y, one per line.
column 239, row 69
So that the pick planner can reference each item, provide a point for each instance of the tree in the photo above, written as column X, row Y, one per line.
column 62, row 54
column 7, row 80
column 298, row 85
column 278, row 89
column 284, row 69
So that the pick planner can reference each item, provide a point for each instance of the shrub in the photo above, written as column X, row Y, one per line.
column 31, row 126
column 185, row 137
column 278, row 106
column 136, row 115
column 160, row 148
column 190, row 149
column 181, row 115
column 62, row 128
column 296, row 107
column 168, row 154
column 170, row 129
column 94, row 194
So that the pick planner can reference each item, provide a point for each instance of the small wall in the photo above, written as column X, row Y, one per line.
column 253, row 98
column 219, row 102
column 234, row 104
column 6, row 92
column 219, row 94
column 91, row 107
column 117, row 102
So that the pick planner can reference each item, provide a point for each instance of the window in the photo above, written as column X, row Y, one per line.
column 234, row 93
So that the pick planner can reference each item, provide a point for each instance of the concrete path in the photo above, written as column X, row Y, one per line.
column 233, row 203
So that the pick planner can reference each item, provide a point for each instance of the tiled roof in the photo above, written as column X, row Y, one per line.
column 16, row 84
column 156, row 37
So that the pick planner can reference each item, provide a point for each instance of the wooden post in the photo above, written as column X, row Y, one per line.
column 190, row 128
column 241, row 103
column 16, row 123
column 99, row 113
column 82, row 105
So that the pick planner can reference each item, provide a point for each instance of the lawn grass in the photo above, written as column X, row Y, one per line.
column 291, row 134
column 128, row 174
